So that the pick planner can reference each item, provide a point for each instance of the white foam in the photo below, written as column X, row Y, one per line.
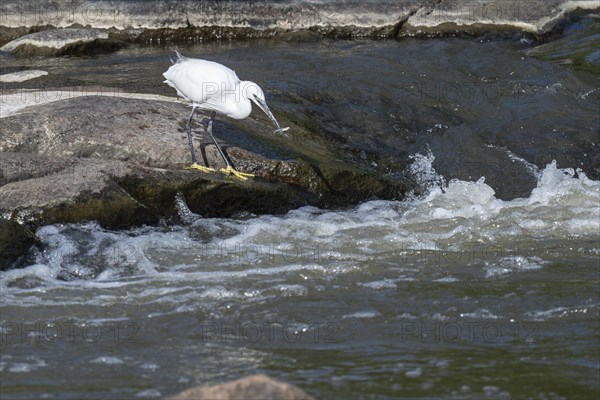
column 415, row 373
column 382, row 284
column 149, row 394
column 480, row 314
column 362, row 314
column 447, row 279
column 29, row 364
column 291, row 290
column 437, row 317
column 407, row 316
column 560, row 312
column 219, row 292
column 506, row 265
column 150, row 366
column 107, row 360
column 218, row 257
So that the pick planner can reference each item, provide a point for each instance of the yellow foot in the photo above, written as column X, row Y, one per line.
column 199, row 167
column 230, row 171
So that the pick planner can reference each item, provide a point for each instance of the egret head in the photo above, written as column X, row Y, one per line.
column 253, row 92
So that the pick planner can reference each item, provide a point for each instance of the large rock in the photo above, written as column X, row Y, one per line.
column 121, row 161
column 62, row 41
column 185, row 21
column 251, row 387
column 483, row 16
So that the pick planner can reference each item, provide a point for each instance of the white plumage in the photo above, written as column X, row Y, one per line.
column 209, row 85
column 214, row 87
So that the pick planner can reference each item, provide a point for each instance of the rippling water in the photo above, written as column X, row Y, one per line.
column 479, row 288
column 456, row 293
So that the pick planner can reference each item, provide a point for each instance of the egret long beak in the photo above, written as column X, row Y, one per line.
column 263, row 106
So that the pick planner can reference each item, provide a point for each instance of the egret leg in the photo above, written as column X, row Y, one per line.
column 229, row 170
column 194, row 165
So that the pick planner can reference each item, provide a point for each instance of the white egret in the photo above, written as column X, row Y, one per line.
column 214, row 87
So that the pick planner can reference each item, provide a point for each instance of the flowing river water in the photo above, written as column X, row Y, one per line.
column 486, row 285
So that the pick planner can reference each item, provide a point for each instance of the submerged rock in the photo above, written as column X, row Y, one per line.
column 62, row 41
column 15, row 241
column 22, row 76
column 250, row 387
column 121, row 161
column 578, row 48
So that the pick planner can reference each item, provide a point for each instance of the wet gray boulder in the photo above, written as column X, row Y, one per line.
column 250, row 387
column 121, row 161
column 56, row 42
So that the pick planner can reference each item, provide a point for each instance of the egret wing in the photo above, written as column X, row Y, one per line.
column 201, row 81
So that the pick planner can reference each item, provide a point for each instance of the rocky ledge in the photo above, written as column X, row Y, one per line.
column 57, row 42
column 190, row 21
column 121, row 161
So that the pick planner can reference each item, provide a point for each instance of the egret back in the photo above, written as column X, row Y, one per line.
column 208, row 85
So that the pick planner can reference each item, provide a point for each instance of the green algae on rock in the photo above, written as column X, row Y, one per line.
column 15, row 241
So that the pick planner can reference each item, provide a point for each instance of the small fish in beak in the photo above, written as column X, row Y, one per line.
column 263, row 106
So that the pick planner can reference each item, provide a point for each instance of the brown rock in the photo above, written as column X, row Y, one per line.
column 252, row 387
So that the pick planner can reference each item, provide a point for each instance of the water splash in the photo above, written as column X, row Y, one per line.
column 456, row 216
